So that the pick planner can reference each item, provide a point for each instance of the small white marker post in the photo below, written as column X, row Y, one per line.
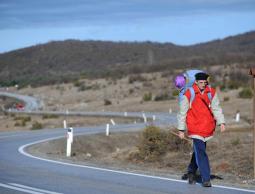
column 112, row 121
column 154, row 117
column 125, row 114
column 107, row 129
column 170, row 110
column 69, row 141
column 144, row 118
column 64, row 123
column 237, row 116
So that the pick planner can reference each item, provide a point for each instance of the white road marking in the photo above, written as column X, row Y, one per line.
column 8, row 136
column 22, row 151
column 18, row 189
column 34, row 189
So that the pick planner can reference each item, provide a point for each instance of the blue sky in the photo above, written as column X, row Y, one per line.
column 183, row 22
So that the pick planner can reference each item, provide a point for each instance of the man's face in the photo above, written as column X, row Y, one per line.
column 201, row 84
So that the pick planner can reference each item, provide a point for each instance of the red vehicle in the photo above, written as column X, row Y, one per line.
column 20, row 106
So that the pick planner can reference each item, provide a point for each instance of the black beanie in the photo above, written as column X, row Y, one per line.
column 201, row 76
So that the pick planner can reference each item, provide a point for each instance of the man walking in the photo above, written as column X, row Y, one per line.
column 199, row 112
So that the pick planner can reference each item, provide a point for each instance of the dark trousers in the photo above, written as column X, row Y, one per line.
column 199, row 160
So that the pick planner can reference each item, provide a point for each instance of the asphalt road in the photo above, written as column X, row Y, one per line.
column 31, row 103
column 22, row 173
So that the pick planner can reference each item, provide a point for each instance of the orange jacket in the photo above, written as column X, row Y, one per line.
column 200, row 120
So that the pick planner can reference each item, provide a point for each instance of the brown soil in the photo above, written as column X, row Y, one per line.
column 125, row 96
column 11, row 122
column 230, row 155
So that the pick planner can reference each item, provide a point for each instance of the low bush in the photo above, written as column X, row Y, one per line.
column 136, row 78
column 175, row 93
column 147, row 96
column 226, row 98
column 50, row 116
column 131, row 91
column 107, row 102
column 245, row 93
column 78, row 83
column 17, row 124
column 154, row 143
column 235, row 142
column 23, row 118
column 163, row 96
column 36, row 125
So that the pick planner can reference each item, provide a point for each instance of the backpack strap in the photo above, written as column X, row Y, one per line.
column 209, row 94
column 192, row 95
column 181, row 93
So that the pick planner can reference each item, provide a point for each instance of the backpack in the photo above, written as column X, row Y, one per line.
column 190, row 80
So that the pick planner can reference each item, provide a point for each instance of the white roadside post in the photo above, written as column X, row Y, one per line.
column 154, row 117
column 69, row 141
column 125, row 114
column 170, row 110
column 144, row 118
column 237, row 116
column 112, row 121
column 64, row 123
column 107, row 132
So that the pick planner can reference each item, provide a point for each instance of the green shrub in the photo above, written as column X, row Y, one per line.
column 226, row 98
column 22, row 120
column 50, row 116
column 235, row 142
column 153, row 144
column 95, row 86
column 131, row 91
column 25, row 118
column 20, row 123
column 147, row 96
column 136, row 78
column 222, row 87
column 17, row 124
column 82, row 88
column 175, row 92
column 161, row 97
column 245, row 93
column 77, row 83
column 36, row 125
column 107, row 102
column 233, row 84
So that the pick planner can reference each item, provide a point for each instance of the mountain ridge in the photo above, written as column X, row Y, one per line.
column 62, row 61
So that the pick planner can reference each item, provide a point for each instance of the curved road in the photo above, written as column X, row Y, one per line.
column 31, row 103
column 23, row 173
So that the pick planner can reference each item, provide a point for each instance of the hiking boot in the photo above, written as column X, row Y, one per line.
column 191, row 178
column 206, row 184
column 185, row 176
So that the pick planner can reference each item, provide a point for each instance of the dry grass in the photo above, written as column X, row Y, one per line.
column 230, row 161
column 15, row 121
column 125, row 96
column 230, row 154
